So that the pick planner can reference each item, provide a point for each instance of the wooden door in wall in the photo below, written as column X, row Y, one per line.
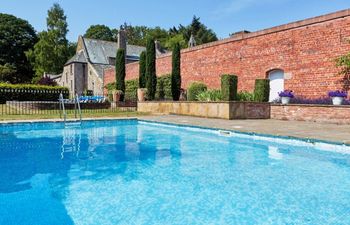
column 276, row 84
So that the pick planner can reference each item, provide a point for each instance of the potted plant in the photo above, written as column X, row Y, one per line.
column 337, row 97
column 286, row 95
column 116, row 95
column 141, row 93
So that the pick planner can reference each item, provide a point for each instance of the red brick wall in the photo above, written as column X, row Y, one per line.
column 313, row 113
column 306, row 50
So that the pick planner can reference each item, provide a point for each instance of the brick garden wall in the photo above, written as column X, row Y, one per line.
column 305, row 50
column 312, row 113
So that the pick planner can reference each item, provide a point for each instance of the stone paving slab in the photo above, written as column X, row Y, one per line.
column 298, row 129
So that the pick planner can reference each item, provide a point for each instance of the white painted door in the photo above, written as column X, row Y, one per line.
column 276, row 83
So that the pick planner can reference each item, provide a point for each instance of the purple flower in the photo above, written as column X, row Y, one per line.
column 341, row 94
column 286, row 93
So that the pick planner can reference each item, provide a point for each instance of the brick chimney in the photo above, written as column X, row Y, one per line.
column 122, row 39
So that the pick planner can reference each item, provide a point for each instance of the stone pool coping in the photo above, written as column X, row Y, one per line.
column 301, row 130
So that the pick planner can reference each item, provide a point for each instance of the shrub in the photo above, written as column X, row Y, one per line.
column 151, row 78
column 130, row 89
column 210, row 96
column 142, row 70
column 166, row 80
column 47, row 81
column 175, row 73
column 120, row 72
column 194, row 90
column 245, row 96
column 262, row 90
column 229, row 87
column 30, row 92
column 161, row 94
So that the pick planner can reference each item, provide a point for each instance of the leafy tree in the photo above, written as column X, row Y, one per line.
column 172, row 41
column 16, row 37
column 101, row 32
column 151, row 77
column 7, row 72
column 175, row 73
column 120, row 72
column 72, row 47
column 142, row 70
column 201, row 33
column 52, row 51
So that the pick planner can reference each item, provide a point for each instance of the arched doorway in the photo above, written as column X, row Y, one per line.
column 276, row 83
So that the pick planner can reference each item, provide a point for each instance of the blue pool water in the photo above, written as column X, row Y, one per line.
column 134, row 172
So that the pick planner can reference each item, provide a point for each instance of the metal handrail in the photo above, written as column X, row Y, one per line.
column 78, row 104
column 62, row 109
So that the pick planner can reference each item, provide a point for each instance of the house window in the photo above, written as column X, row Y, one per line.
column 71, row 69
column 83, row 71
column 71, row 85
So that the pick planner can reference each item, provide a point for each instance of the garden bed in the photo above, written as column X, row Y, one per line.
column 223, row 110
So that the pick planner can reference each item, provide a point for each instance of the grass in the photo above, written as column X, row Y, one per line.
column 71, row 116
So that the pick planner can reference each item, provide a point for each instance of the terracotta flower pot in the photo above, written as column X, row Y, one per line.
column 141, row 93
column 116, row 96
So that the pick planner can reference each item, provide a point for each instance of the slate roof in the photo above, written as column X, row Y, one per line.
column 100, row 51
column 100, row 68
column 78, row 57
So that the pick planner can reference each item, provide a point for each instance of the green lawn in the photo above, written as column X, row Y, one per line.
column 71, row 116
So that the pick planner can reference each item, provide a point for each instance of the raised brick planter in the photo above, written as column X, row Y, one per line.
column 223, row 110
column 312, row 113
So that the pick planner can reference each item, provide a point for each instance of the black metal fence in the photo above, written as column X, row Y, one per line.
column 90, row 105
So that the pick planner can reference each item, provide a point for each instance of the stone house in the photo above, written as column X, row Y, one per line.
column 85, row 70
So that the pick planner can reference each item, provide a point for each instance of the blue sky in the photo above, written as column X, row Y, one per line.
column 224, row 16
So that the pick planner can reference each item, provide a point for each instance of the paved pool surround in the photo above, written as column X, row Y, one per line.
column 338, row 133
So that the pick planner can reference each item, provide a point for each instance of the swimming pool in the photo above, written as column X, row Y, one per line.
column 137, row 172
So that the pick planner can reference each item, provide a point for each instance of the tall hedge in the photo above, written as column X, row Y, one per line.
column 262, row 90
column 229, row 87
column 194, row 90
column 120, row 71
column 29, row 92
column 151, row 78
column 142, row 70
column 175, row 73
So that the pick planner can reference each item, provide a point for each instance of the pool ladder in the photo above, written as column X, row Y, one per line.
column 77, row 110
